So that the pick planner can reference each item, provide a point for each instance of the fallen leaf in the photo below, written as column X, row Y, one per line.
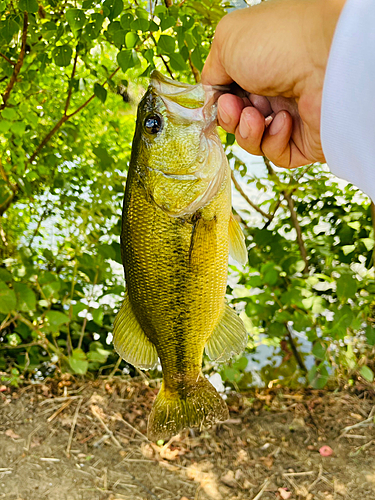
column 229, row 479
column 10, row 433
column 207, row 480
column 268, row 461
column 284, row 493
column 326, row 451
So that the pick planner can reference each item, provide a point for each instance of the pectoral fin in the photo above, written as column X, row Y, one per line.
column 237, row 246
column 130, row 341
column 228, row 338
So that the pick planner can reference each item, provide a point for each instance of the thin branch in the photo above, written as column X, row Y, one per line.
column 301, row 243
column 50, row 134
column 62, row 120
column 287, row 195
column 7, row 59
column 70, row 90
column 244, row 195
column 18, row 65
column 279, row 201
column 295, row 352
column 45, row 211
column 194, row 70
column 167, row 67
column 6, row 204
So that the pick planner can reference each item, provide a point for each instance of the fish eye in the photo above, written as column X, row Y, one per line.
column 153, row 124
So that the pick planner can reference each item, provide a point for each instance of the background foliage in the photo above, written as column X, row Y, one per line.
column 71, row 74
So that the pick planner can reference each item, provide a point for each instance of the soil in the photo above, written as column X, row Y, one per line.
column 85, row 440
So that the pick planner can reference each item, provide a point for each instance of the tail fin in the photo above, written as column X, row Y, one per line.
column 200, row 406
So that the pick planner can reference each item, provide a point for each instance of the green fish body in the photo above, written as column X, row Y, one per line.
column 176, row 234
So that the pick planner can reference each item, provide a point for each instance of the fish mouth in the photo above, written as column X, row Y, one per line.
column 188, row 102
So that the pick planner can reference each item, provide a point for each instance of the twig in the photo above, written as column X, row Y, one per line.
column 18, row 64
column 244, row 195
column 134, row 429
column 7, row 59
column 118, row 362
column 62, row 120
column 265, row 484
column 167, row 67
column 36, row 230
column 59, row 410
column 308, row 473
column 365, row 423
column 194, row 70
column 316, row 481
column 105, row 427
column 296, row 354
column 70, row 90
column 56, row 400
column 74, row 423
column 293, row 216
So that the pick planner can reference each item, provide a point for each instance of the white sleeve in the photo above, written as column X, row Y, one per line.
column 348, row 105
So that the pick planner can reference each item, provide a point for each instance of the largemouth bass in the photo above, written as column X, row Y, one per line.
column 177, row 229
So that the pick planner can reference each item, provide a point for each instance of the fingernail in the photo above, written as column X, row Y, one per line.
column 224, row 117
column 244, row 128
column 277, row 123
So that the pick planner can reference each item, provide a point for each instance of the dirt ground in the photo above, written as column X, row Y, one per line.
column 71, row 440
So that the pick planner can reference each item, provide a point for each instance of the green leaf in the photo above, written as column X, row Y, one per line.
column 140, row 25
column 240, row 364
column 347, row 249
column 346, row 287
column 26, row 300
column 56, row 319
column 62, row 55
column 76, row 19
column 166, row 44
column 9, row 114
column 8, row 299
column 113, row 8
column 131, row 39
column 125, row 59
column 78, row 362
column 8, row 28
column 319, row 350
column 97, row 315
column 367, row 373
column 5, row 275
column 100, row 92
column 126, row 20
column 3, row 5
column 177, row 62
column 167, row 22
column 196, row 58
column 370, row 335
column 30, row 6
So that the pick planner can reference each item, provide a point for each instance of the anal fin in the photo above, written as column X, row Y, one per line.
column 228, row 338
column 237, row 246
column 130, row 341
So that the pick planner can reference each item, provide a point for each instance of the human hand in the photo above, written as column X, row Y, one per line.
column 277, row 52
